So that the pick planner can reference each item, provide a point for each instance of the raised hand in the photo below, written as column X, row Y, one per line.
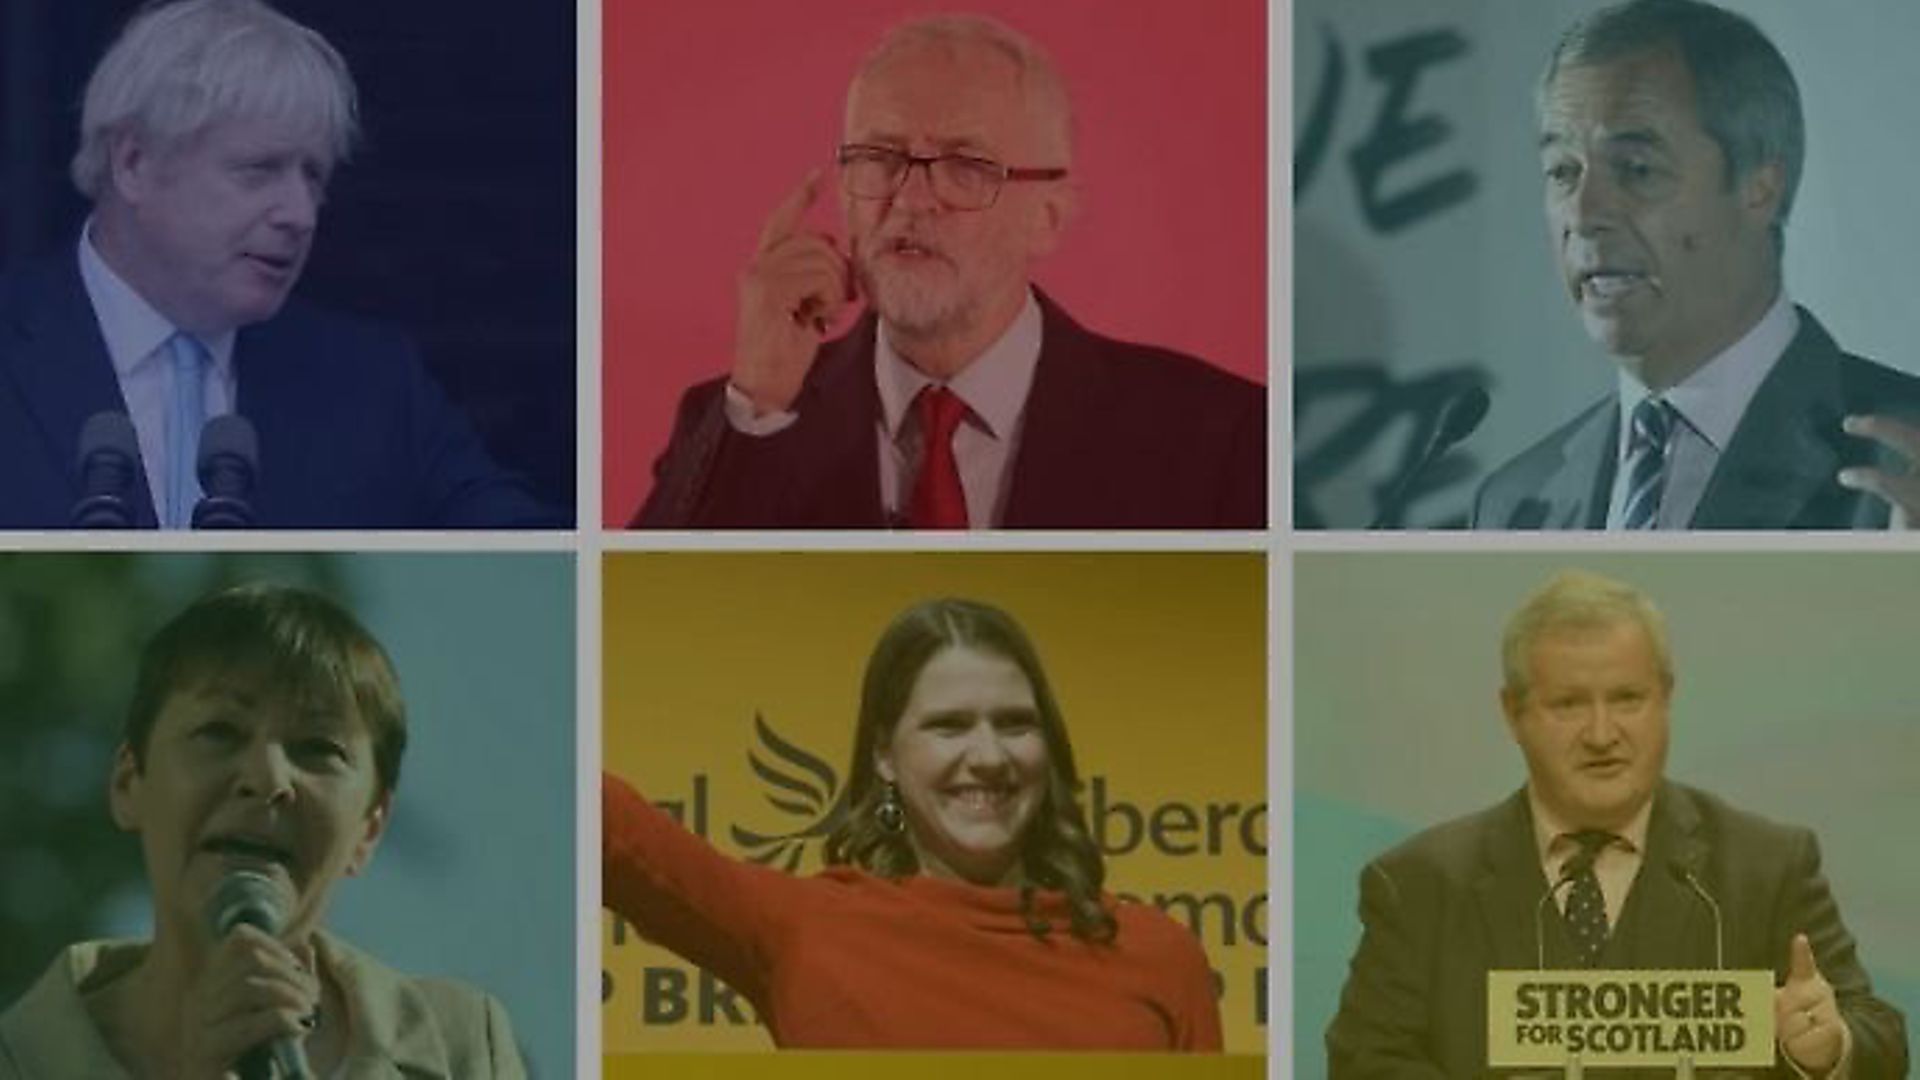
column 1806, row 1017
column 791, row 294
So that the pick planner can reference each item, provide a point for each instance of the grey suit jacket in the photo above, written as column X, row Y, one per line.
column 1777, row 472
column 1460, row 898
column 401, row 1027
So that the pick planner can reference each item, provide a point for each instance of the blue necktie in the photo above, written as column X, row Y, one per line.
column 186, row 415
column 1652, row 425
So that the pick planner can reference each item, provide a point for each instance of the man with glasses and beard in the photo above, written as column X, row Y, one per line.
column 964, row 397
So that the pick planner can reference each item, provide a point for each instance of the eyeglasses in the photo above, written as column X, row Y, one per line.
column 959, row 182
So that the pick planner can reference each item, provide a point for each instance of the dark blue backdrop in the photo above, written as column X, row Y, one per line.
column 455, row 219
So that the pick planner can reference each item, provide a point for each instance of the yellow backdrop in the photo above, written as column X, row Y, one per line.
column 1158, row 660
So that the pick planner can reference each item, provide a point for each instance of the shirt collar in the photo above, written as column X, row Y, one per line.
column 1712, row 399
column 133, row 330
column 391, row 1021
column 994, row 386
column 50, row 1025
column 1552, row 834
column 391, row 1025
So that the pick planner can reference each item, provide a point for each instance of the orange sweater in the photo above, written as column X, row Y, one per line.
column 847, row 959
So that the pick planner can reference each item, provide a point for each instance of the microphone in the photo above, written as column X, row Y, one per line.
column 1459, row 418
column 228, row 464
column 1683, row 872
column 1540, row 922
column 251, row 898
column 109, row 466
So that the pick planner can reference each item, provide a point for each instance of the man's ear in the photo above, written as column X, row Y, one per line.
column 1762, row 191
column 1051, row 213
column 123, row 789
column 131, row 164
column 1512, row 704
column 375, row 828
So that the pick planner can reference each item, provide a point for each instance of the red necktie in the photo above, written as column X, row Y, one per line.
column 939, row 502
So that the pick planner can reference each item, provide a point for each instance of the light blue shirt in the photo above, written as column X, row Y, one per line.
column 136, row 336
column 1710, row 403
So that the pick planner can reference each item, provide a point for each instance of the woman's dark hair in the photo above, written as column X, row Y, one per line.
column 299, row 643
column 1058, row 850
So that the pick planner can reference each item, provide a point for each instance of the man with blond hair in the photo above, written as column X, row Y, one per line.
column 208, row 135
column 964, row 397
column 1625, row 856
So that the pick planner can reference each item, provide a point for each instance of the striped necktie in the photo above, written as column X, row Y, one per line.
column 186, row 415
column 1652, row 424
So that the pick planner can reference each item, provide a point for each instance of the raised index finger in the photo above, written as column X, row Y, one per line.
column 786, row 216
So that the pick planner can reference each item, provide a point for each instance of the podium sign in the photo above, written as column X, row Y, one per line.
column 1600, row 1018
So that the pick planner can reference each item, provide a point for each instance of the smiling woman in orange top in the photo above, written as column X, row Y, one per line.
column 962, row 904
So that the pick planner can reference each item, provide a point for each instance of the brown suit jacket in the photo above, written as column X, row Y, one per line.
column 1442, row 908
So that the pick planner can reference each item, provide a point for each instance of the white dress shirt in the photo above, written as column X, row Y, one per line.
column 1710, row 403
column 1616, row 866
column 136, row 337
column 994, row 387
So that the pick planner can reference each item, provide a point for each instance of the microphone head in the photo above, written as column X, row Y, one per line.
column 109, row 431
column 1463, row 414
column 250, row 898
column 108, row 467
column 228, row 440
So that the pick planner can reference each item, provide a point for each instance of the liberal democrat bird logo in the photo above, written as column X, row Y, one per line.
column 797, row 783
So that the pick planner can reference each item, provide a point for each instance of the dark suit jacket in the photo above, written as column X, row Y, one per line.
column 1458, row 899
column 1777, row 472
column 353, row 432
column 1116, row 436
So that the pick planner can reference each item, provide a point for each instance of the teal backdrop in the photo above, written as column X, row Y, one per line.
column 475, row 877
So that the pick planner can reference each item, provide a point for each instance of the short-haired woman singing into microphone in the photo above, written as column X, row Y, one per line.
column 258, row 766
column 962, row 905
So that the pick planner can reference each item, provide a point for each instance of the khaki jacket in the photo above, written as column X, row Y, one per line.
column 399, row 1027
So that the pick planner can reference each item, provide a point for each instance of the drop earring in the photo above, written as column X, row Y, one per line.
column 891, row 816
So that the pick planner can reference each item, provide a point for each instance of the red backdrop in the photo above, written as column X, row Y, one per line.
column 715, row 109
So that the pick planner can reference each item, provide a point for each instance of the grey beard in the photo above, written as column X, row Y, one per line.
column 920, row 319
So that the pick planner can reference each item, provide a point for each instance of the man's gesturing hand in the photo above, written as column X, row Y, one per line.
column 790, row 295
column 1806, row 1017
column 1900, row 489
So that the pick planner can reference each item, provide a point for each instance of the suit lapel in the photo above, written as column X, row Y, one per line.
column 1784, row 452
column 1048, row 475
column 266, row 397
column 842, row 470
column 1572, row 485
column 1510, row 889
column 398, row 1032
column 59, row 361
column 1662, row 919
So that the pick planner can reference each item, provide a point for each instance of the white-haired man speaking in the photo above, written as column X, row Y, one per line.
column 208, row 135
column 965, row 397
